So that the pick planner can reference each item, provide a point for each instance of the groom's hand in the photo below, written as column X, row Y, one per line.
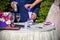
column 13, row 4
column 34, row 16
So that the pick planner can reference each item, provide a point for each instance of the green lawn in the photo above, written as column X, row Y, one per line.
column 44, row 9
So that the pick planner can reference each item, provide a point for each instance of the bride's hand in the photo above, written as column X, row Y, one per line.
column 28, row 5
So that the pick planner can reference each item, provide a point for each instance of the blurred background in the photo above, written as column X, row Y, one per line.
column 44, row 8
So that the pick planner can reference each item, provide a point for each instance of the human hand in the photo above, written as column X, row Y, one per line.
column 34, row 16
column 13, row 4
column 28, row 5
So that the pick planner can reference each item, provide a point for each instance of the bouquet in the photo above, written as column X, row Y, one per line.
column 5, row 19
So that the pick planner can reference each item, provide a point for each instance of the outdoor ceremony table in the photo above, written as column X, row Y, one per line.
column 28, row 34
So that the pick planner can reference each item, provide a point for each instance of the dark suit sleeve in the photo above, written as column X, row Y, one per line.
column 12, row 0
column 37, row 8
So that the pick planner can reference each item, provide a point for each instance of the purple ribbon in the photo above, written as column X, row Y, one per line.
column 29, row 8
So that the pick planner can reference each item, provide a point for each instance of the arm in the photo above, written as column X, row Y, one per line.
column 36, row 2
column 33, row 4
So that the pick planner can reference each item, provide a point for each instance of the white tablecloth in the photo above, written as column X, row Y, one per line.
column 27, row 35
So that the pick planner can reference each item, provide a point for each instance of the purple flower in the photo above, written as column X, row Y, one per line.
column 3, row 24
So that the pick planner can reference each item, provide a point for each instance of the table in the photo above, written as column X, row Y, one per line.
column 27, row 34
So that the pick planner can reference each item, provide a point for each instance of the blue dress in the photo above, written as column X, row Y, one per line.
column 23, row 11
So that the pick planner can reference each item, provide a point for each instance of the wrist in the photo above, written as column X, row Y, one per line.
column 32, row 5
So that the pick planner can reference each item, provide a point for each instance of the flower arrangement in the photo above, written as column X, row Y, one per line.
column 5, row 19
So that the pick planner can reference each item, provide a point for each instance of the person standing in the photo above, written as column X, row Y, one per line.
column 22, row 8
